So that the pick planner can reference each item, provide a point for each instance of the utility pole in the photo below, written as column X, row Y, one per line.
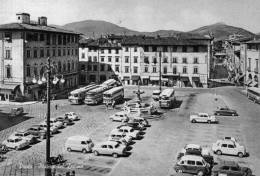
column 160, row 72
column 2, row 59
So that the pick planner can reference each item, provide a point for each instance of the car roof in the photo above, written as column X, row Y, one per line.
column 226, row 141
column 109, row 143
column 156, row 91
column 203, row 113
column 192, row 157
column 193, row 146
column 125, row 127
column 120, row 113
column 14, row 137
column 80, row 137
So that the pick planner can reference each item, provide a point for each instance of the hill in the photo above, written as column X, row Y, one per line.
column 221, row 31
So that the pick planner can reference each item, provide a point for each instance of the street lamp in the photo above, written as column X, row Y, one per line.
column 42, row 80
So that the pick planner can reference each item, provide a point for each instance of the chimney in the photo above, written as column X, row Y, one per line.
column 23, row 18
column 42, row 21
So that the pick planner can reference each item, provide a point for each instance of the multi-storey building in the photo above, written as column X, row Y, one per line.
column 251, row 53
column 184, row 61
column 24, row 48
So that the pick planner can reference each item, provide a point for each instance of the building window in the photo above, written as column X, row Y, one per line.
column 28, row 71
column 102, row 67
column 35, row 54
column 165, row 70
column 102, row 51
column 8, row 53
column 249, row 64
column 53, row 52
column 184, row 49
column 48, row 52
column 135, row 69
column 184, row 60
column 145, row 69
column 109, row 51
column 154, row 60
column 135, row 49
column 89, row 68
column 64, row 52
column 174, row 60
column 195, row 70
column 174, row 70
column 83, row 55
column 64, row 40
column 28, row 53
column 195, row 49
column 126, row 59
column 146, row 49
column 68, row 51
column 95, row 58
column 154, row 48
column 126, row 49
column 89, row 59
column 109, row 68
column 174, row 48
column 195, row 60
column 48, row 39
column 117, row 51
column 83, row 67
column 72, row 52
column 59, row 40
column 76, row 51
column 117, row 59
column 8, row 73
column 117, row 68
column 126, row 69
column 184, row 70
column 135, row 59
column 165, row 49
column 41, row 37
column 109, row 59
column 59, row 52
column 35, row 70
column 146, row 60
column 94, row 67
column 165, row 60
column 256, row 66
column 154, row 69
column 42, row 52
column 54, row 39
column 102, row 59
column 8, row 37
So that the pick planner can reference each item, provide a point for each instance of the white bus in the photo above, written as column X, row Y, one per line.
column 111, row 83
column 116, row 94
column 253, row 93
column 95, row 96
column 167, row 98
column 77, row 96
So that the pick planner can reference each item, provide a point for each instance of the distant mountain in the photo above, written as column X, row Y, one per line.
column 96, row 28
column 221, row 31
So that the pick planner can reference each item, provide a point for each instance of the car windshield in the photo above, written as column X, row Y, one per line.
column 132, row 130
column 117, row 145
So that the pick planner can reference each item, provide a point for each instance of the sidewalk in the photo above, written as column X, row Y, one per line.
column 17, row 103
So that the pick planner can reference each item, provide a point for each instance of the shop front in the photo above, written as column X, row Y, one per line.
column 10, row 92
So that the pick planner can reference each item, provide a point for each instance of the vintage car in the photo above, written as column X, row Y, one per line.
column 72, row 115
column 119, row 116
column 26, row 135
column 65, row 121
column 115, row 135
column 37, row 131
column 135, row 134
column 16, row 143
column 225, row 112
column 79, row 143
column 203, row 117
column 109, row 148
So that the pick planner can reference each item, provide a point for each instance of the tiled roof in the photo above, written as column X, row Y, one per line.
column 34, row 27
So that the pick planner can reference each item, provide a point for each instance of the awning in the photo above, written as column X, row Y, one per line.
column 154, row 78
column 135, row 78
column 8, row 86
column 248, row 82
column 195, row 78
column 185, row 78
column 126, row 78
column 145, row 77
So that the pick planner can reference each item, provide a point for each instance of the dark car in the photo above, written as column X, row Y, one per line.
column 230, row 168
column 226, row 112
column 37, row 131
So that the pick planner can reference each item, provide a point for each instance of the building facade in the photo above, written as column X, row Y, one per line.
column 24, row 48
column 184, row 61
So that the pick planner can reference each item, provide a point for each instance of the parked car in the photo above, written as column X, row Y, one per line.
column 53, row 129
column 135, row 125
column 79, row 143
column 109, row 148
column 37, row 131
column 17, row 111
column 192, row 164
column 119, row 116
column 230, row 168
column 203, row 117
column 55, row 122
column 229, row 147
column 141, row 120
column 3, row 149
column 135, row 134
column 65, row 120
column 156, row 95
column 115, row 135
column 16, row 143
column 24, row 134
column 225, row 111
column 194, row 149
column 72, row 115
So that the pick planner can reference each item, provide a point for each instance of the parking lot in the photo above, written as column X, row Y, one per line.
column 156, row 153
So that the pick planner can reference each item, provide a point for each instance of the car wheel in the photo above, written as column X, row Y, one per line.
column 96, row 153
column 219, row 152
column 240, row 155
column 84, row 151
column 193, row 121
column 16, row 148
column 200, row 173
column 69, row 149
column 233, row 114
column 115, row 155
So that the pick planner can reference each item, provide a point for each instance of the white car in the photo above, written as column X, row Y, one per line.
column 129, row 131
column 53, row 129
column 25, row 135
column 119, row 116
column 203, row 117
column 228, row 147
column 72, row 115
column 16, row 143
column 54, row 122
column 109, row 148
column 115, row 135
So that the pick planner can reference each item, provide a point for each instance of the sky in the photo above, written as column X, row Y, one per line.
column 140, row 15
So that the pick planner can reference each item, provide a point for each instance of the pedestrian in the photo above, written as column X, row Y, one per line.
column 106, row 105
column 113, row 104
column 56, row 106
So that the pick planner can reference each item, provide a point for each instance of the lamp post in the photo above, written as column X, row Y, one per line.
column 49, row 67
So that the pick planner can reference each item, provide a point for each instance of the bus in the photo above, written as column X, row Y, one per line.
column 111, row 83
column 95, row 96
column 77, row 96
column 167, row 98
column 116, row 94
column 253, row 93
